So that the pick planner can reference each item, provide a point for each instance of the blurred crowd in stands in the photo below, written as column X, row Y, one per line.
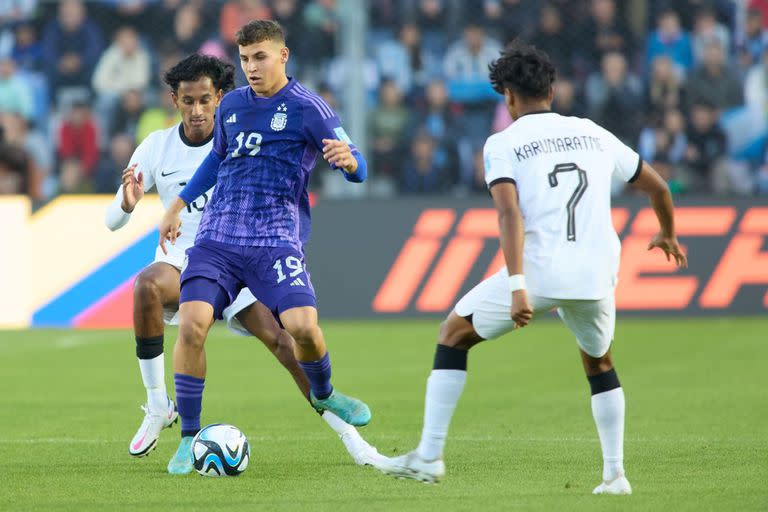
column 685, row 82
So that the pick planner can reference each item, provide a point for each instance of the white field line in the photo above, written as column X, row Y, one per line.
column 386, row 437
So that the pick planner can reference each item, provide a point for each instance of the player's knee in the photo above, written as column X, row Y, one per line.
column 597, row 365
column 192, row 334
column 147, row 289
column 455, row 336
column 304, row 332
column 283, row 347
column 272, row 338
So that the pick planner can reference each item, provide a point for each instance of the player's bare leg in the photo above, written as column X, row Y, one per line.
column 301, row 323
column 196, row 318
column 260, row 322
column 155, row 287
column 608, row 412
column 444, row 387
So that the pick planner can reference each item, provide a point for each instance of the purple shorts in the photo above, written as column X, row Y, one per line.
column 277, row 276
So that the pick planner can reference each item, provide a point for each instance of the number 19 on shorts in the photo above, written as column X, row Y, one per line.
column 292, row 265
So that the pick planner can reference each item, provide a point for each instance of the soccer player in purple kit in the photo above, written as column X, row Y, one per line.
column 267, row 138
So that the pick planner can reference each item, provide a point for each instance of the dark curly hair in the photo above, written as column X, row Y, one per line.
column 523, row 69
column 196, row 66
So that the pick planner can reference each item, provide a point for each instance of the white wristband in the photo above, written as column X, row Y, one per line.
column 516, row 282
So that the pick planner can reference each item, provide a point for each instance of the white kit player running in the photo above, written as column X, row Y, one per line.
column 550, row 178
column 166, row 160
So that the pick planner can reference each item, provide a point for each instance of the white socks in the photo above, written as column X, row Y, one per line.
column 336, row 423
column 444, row 388
column 608, row 411
column 153, row 375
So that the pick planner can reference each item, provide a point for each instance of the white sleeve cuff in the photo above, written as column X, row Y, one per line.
column 116, row 217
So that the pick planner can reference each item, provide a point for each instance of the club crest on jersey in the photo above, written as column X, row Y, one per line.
column 280, row 119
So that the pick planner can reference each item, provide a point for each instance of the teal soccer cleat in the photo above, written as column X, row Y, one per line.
column 181, row 462
column 349, row 409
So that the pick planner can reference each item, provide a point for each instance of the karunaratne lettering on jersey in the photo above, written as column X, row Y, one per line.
column 557, row 145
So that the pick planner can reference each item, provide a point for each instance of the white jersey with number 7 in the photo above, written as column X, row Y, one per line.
column 563, row 168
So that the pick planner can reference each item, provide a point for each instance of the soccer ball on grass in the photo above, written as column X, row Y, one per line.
column 220, row 450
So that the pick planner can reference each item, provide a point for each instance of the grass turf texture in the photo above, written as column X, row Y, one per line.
column 522, row 437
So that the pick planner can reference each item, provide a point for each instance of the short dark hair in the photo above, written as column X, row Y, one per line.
column 523, row 69
column 196, row 66
column 257, row 31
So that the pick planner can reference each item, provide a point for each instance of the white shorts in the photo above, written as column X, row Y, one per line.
column 245, row 298
column 490, row 304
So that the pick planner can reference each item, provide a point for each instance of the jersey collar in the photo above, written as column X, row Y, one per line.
column 535, row 112
column 191, row 144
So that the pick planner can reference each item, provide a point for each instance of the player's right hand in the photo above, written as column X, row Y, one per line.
column 170, row 227
column 133, row 188
column 671, row 247
column 522, row 312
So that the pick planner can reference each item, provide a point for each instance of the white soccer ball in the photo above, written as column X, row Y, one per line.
column 220, row 450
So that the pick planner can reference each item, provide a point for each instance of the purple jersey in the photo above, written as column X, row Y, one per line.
column 269, row 146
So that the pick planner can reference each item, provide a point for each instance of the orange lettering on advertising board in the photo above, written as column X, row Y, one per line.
column 449, row 274
column 480, row 222
column 638, row 292
column 414, row 261
column 457, row 261
column 744, row 262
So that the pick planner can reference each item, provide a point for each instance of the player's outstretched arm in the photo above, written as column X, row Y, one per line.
column 128, row 195
column 511, row 237
column 170, row 225
column 339, row 154
column 204, row 178
column 658, row 192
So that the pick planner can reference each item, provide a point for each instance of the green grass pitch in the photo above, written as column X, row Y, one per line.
column 522, row 437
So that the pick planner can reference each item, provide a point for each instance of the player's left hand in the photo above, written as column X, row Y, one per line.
column 671, row 247
column 522, row 312
column 337, row 152
column 170, row 228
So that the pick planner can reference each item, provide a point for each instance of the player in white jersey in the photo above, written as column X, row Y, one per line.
column 550, row 179
column 165, row 160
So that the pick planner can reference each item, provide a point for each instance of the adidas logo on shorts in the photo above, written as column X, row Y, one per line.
column 298, row 282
